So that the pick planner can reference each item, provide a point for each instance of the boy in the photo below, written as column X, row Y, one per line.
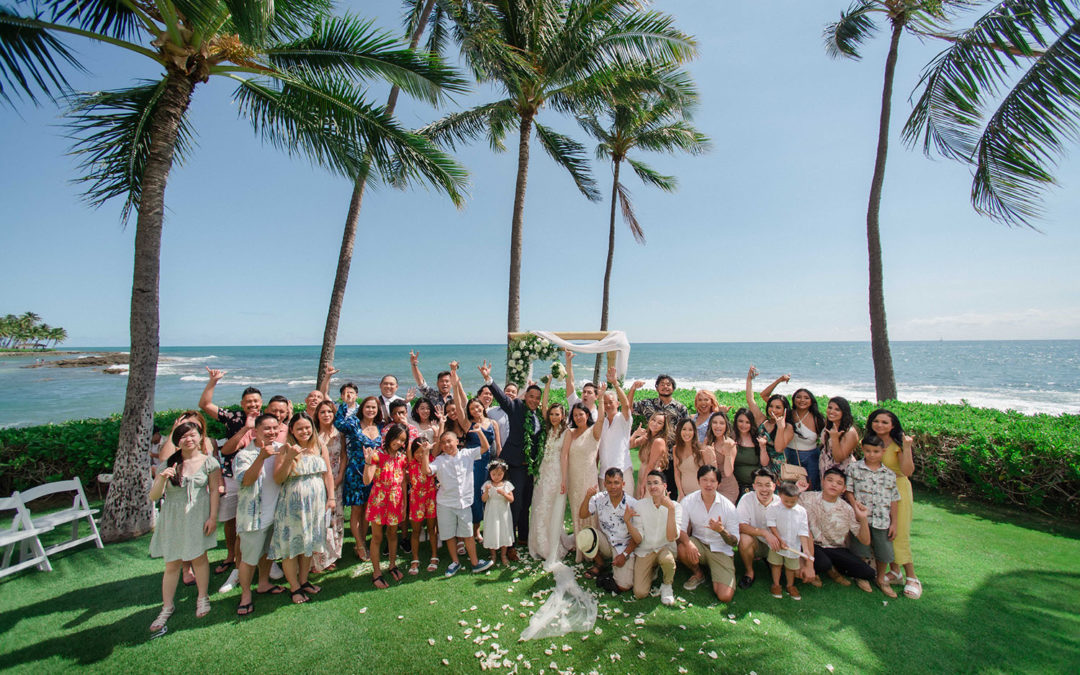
column 788, row 523
column 755, row 538
column 349, row 393
column 654, row 527
column 872, row 486
column 610, row 508
column 256, row 503
column 454, row 499
column 832, row 520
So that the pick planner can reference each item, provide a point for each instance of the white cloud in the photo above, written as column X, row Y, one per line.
column 1033, row 323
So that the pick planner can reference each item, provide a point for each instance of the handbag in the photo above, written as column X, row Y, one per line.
column 792, row 472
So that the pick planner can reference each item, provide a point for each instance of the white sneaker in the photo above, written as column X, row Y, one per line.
column 230, row 583
column 667, row 595
column 275, row 571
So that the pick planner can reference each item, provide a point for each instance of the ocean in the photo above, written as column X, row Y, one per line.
column 1031, row 376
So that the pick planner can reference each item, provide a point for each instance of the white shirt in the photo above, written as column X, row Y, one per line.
column 695, row 520
column 610, row 517
column 651, row 522
column 265, row 489
column 790, row 524
column 384, row 403
column 499, row 417
column 572, row 400
column 455, row 477
column 752, row 512
column 614, row 448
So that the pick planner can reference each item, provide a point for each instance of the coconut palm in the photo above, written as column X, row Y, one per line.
column 295, row 68
column 1005, row 97
column 569, row 55
column 924, row 18
column 653, row 123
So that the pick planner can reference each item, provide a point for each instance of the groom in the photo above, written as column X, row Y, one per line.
column 524, row 419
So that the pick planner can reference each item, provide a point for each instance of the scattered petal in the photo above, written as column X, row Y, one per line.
column 598, row 631
column 641, row 655
column 713, row 655
column 363, row 609
column 446, row 662
column 400, row 617
column 565, row 648
column 431, row 641
column 757, row 621
column 829, row 667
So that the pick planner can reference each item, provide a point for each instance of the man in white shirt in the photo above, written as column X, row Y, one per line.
column 710, row 528
column 614, row 448
column 615, row 544
column 253, row 468
column 755, row 539
column 454, row 468
column 588, row 390
column 654, row 526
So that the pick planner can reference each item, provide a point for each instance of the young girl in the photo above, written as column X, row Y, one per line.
column 498, row 494
column 385, row 508
column 653, row 452
column 187, row 526
column 689, row 456
column 361, row 435
column 423, row 414
column 422, row 503
column 721, row 442
column 307, row 491
column 334, row 443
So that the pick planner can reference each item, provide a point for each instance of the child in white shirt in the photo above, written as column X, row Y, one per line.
column 455, row 497
column 787, row 522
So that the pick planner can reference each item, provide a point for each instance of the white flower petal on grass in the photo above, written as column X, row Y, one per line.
column 431, row 641
column 641, row 655
column 731, row 616
column 449, row 638
column 639, row 622
column 829, row 667
column 566, row 648
column 682, row 670
column 598, row 631
column 400, row 617
column 757, row 621
column 446, row 662
column 546, row 651
column 713, row 655
column 363, row 609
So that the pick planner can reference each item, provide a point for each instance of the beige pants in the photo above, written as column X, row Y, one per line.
column 645, row 568
column 624, row 576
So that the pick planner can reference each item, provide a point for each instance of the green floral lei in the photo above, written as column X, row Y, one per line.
column 533, row 457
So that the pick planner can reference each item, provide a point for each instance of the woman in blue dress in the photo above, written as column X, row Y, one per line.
column 478, row 423
column 361, row 432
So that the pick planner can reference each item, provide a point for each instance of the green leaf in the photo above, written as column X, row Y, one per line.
column 571, row 155
column 30, row 58
column 843, row 37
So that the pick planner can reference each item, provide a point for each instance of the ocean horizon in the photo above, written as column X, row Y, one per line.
column 1030, row 376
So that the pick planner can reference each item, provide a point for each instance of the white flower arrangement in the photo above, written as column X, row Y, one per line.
column 522, row 352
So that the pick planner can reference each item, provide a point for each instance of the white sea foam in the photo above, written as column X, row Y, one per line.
column 297, row 383
column 191, row 378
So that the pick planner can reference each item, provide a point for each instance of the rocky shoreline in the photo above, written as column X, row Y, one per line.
column 113, row 363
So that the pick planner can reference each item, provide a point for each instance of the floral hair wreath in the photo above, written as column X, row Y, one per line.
column 498, row 463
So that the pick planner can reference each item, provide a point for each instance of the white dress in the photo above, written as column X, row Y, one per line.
column 580, row 477
column 498, row 522
column 548, row 505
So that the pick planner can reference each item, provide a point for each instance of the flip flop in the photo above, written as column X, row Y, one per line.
column 244, row 610
column 308, row 587
column 395, row 573
column 223, row 567
column 593, row 572
column 273, row 590
column 379, row 580
column 301, row 594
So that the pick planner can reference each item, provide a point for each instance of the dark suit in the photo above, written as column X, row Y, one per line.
column 513, row 453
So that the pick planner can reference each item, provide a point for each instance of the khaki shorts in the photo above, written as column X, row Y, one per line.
column 624, row 576
column 255, row 544
column 775, row 558
column 454, row 522
column 645, row 569
column 761, row 549
column 721, row 566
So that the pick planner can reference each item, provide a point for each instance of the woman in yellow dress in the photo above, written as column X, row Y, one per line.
column 899, row 458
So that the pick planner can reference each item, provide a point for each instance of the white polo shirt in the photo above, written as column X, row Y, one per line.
column 651, row 522
column 752, row 511
column 455, row 477
column 696, row 517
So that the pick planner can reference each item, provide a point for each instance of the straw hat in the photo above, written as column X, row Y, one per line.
column 588, row 542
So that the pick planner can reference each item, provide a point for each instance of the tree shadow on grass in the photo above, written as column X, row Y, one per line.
column 993, row 513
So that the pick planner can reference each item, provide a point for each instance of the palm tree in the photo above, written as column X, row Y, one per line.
column 1031, row 50
column 842, row 39
column 570, row 55
column 655, row 123
column 294, row 67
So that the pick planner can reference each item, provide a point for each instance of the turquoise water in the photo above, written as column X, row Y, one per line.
column 1030, row 376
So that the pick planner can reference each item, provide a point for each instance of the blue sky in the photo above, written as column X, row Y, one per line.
column 765, row 239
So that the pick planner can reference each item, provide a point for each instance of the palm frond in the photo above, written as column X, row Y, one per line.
column 627, row 208
column 677, row 136
column 114, row 18
column 352, row 47
column 30, row 58
column 1027, row 132
column 650, row 176
column 470, row 125
column 112, row 135
column 205, row 16
column 843, row 37
column 251, row 19
column 438, row 31
column 571, row 155
column 294, row 18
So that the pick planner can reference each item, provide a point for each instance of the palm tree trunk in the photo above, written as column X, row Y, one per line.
column 513, row 308
column 348, row 237
column 127, row 511
column 884, row 379
column 610, row 260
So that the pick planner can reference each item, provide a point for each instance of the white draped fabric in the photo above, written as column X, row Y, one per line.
column 615, row 341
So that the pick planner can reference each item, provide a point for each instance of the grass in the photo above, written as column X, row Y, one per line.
column 1001, row 593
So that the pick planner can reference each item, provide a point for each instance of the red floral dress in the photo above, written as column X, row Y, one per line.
column 421, row 494
column 386, row 504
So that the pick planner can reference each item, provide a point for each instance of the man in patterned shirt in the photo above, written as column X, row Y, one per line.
column 672, row 409
column 439, row 394
column 831, row 521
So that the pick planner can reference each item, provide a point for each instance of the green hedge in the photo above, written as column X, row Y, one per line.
column 1000, row 457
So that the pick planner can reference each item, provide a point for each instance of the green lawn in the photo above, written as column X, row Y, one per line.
column 1001, row 595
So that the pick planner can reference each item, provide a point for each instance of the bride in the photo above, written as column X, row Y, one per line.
column 547, row 537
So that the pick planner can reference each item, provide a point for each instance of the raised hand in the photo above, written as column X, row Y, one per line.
column 908, row 441
column 410, row 395
column 786, row 377
column 453, row 366
column 215, row 375
column 861, row 512
column 267, row 451
column 638, row 384
column 780, row 421
column 752, row 373
column 569, row 356
column 485, row 370
column 763, row 440
column 414, row 358
column 167, row 473
column 329, row 370
column 666, row 501
column 591, row 491
column 611, row 375
column 249, row 422
column 728, row 447
column 716, row 525
column 628, row 514
column 802, row 484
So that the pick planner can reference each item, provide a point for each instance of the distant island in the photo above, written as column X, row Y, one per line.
column 28, row 333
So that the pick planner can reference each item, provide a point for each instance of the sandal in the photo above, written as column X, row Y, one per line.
column 593, row 573
column 395, row 573
column 202, row 607
column 298, row 593
column 380, row 583
column 310, row 588
column 361, row 553
column 162, row 618
column 893, row 577
column 887, row 590
column 414, row 568
column 433, row 565
column 223, row 567
column 273, row 590
column 913, row 588
column 244, row 610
